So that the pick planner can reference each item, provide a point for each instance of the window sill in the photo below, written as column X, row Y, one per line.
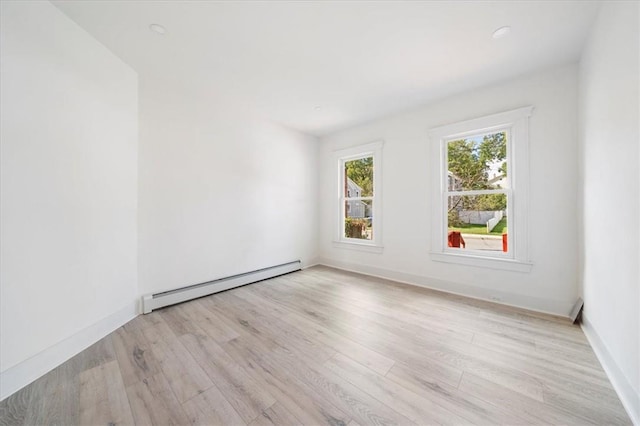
column 482, row 262
column 371, row 248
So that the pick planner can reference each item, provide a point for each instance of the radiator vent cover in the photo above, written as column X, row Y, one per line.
column 179, row 295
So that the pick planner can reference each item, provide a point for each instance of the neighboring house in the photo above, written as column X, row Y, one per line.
column 454, row 183
column 498, row 181
column 356, row 208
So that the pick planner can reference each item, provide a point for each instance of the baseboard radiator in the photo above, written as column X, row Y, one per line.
column 167, row 298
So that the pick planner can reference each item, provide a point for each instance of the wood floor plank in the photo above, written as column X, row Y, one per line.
column 177, row 318
column 53, row 398
column 301, row 400
column 553, row 372
column 455, row 353
column 547, row 367
column 349, row 398
column 14, row 409
column 375, row 341
column 185, row 376
column 543, row 328
column 134, row 355
column 534, row 411
column 576, row 361
column 211, row 408
column 463, row 310
column 496, row 324
column 240, row 389
column 474, row 410
column 236, row 322
column 283, row 334
column 403, row 400
column 587, row 409
column 327, row 347
column 276, row 415
column 56, row 401
column 370, row 358
column 103, row 398
column 215, row 329
column 153, row 402
column 383, row 310
column 95, row 355
column 382, row 341
column 364, row 318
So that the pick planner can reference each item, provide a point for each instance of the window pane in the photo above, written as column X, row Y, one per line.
column 477, row 162
column 477, row 222
column 358, row 175
column 358, row 221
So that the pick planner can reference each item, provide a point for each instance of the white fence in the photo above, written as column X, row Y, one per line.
column 491, row 223
column 481, row 217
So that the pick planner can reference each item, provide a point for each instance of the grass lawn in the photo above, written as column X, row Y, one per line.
column 469, row 228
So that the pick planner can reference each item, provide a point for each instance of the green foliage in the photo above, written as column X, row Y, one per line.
column 470, row 228
column 454, row 219
column 470, row 160
column 490, row 202
column 465, row 164
column 501, row 227
column 360, row 171
column 493, row 148
column 354, row 227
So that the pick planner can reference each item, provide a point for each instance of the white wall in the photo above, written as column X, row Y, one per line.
column 609, row 140
column 222, row 191
column 68, row 185
column 552, row 284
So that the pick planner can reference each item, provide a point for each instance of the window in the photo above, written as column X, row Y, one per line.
column 359, row 223
column 480, row 214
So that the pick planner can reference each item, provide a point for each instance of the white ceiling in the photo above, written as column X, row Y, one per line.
column 357, row 60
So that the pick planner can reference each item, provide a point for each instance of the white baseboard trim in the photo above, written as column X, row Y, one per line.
column 545, row 306
column 15, row 378
column 629, row 397
column 310, row 262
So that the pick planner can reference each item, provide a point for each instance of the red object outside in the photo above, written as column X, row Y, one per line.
column 455, row 239
column 504, row 243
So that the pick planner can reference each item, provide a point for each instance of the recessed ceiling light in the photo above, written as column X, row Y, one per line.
column 157, row 28
column 501, row 32
column 318, row 108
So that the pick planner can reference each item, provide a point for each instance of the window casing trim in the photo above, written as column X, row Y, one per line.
column 340, row 157
column 515, row 123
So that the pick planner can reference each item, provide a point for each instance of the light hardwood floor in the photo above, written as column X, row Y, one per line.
column 323, row 346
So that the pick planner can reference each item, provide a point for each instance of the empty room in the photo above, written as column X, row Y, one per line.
column 317, row 212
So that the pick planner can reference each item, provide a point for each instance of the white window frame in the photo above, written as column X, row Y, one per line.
column 516, row 124
column 340, row 157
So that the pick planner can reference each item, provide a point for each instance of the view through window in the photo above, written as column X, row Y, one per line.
column 477, row 193
column 358, row 198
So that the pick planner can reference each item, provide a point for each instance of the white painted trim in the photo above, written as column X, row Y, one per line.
column 358, row 151
column 15, row 378
column 310, row 263
column 339, row 158
column 629, row 397
column 516, row 124
column 545, row 306
column 371, row 248
column 482, row 262
column 466, row 128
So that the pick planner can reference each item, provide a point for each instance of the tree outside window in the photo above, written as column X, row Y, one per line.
column 477, row 191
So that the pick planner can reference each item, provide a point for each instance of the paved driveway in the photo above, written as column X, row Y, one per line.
column 483, row 242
